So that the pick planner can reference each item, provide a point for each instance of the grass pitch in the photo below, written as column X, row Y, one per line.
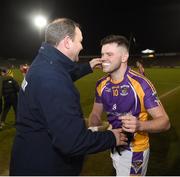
column 164, row 156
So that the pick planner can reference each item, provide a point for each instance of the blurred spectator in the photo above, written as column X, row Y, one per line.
column 10, row 89
column 24, row 68
column 140, row 68
column 9, row 72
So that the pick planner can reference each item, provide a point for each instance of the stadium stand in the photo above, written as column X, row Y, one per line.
column 168, row 60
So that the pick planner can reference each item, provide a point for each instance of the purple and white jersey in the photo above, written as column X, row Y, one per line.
column 134, row 94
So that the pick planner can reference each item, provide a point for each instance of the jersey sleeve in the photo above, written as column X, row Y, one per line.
column 150, row 99
column 98, row 94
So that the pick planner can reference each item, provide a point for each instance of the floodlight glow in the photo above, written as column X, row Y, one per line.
column 147, row 51
column 40, row 21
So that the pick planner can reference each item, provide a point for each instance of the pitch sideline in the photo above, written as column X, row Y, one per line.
column 169, row 92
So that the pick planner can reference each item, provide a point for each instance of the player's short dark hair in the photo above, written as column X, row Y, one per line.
column 120, row 40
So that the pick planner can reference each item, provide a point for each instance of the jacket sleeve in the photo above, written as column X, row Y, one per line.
column 80, row 70
column 61, row 108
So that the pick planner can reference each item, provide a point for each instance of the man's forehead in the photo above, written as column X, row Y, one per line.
column 79, row 33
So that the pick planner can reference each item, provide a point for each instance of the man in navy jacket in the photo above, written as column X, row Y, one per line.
column 51, row 137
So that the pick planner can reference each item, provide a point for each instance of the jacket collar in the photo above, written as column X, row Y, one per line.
column 55, row 56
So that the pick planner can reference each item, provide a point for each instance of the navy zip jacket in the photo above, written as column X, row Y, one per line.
column 51, row 137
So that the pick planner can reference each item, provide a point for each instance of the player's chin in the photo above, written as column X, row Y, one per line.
column 106, row 70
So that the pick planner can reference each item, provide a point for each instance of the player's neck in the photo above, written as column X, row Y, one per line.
column 118, row 75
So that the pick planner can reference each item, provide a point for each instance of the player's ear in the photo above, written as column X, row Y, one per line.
column 125, row 57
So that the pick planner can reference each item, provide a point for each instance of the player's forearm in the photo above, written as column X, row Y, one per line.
column 94, row 120
column 159, row 124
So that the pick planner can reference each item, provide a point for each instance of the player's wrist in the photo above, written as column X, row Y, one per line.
column 140, row 125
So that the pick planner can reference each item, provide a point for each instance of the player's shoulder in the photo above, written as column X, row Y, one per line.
column 103, row 79
column 141, row 79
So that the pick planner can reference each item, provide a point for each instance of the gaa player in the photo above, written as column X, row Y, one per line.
column 128, row 98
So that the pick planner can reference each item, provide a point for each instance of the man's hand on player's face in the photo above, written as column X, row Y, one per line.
column 96, row 63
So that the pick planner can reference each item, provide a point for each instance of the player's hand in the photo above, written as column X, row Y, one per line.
column 121, row 138
column 96, row 63
column 129, row 123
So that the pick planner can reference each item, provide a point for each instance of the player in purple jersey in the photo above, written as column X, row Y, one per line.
column 129, row 99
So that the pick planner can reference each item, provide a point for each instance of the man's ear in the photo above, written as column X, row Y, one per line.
column 67, row 42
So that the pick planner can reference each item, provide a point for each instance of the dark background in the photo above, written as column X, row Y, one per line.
column 153, row 24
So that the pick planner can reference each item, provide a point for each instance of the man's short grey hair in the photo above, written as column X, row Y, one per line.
column 59, row 29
